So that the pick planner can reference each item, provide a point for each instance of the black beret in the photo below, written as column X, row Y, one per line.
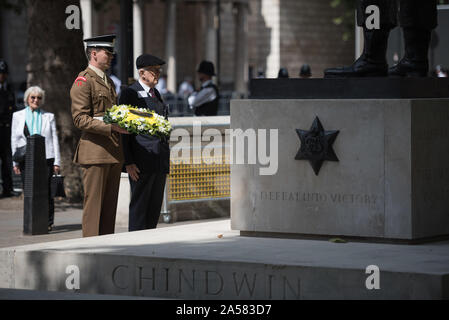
column 105, row 42
column 147, row 60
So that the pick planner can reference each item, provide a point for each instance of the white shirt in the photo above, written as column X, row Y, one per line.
column 144, row 86
column 205, row 95
column 147, row 90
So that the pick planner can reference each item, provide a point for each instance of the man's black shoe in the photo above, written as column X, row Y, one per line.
column 415, row 62
column 408, row 68
column 362, row 67
column 372, row 63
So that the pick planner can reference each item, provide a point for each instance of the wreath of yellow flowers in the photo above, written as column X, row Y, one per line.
column 138, row 120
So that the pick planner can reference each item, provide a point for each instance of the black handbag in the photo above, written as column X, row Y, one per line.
column 57, row 186
column 19, row 155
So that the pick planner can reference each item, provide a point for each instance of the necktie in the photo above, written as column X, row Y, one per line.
column 152, row 95
column 105, row 80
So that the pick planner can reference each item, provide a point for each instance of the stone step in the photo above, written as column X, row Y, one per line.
column 208, row 260
column 22, row 294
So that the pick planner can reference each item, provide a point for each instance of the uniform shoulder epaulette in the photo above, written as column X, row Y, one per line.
column 82, row 77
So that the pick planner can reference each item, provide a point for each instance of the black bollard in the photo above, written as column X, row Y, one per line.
column 35, row 206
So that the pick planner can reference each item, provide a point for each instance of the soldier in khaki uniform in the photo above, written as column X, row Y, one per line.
column 99, row 150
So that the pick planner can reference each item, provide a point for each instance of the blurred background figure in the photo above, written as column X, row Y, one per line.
column 117, row 83
column 283, row 73
column 113, row 75
column 186, row 88
column 260, row 74
column 440, row 72
column 30, row 121
column 305, row 71
column 162, row 85
column 7, row 108
column 205, row 101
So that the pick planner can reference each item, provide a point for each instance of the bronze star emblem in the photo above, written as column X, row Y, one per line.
column 316, row 145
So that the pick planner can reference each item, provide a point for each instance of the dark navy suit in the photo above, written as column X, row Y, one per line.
column 151, row 155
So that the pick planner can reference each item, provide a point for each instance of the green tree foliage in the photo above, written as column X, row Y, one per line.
column 347, row 18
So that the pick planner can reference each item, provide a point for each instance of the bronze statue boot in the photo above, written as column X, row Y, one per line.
column 372, row 63
column 415, row 62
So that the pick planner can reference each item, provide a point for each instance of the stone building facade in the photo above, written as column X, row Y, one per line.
column 254, row 35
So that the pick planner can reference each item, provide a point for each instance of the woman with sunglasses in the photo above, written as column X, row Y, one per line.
column 28, row 122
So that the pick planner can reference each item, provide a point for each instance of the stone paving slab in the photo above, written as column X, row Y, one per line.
column 19, row 294
column 67, row 223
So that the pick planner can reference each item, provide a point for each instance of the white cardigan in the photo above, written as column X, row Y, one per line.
column 48, row 131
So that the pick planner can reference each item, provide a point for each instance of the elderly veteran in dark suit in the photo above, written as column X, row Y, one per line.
column 99, row 151
column 146, row 158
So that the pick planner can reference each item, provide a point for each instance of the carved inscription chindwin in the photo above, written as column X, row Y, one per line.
column 205, row 282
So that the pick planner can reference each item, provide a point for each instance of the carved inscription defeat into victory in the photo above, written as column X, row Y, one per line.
column 318, row 197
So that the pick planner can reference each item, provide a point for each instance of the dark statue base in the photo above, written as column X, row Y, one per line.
column 352, row 88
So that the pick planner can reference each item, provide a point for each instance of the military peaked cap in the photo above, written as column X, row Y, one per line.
column 104, row 42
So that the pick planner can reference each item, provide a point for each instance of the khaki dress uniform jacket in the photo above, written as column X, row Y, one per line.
column 99, row 151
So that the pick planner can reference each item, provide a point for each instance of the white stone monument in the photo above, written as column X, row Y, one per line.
column 391, row 180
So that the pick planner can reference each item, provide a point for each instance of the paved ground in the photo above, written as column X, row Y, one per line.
column 67, row 226
column 67, row 223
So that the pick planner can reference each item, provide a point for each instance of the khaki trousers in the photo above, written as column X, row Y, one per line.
column 101, row 184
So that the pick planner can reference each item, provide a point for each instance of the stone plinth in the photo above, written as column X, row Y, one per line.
column 210, row 261
column 391, row 181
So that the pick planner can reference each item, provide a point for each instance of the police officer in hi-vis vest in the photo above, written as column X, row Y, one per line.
column 99, row 151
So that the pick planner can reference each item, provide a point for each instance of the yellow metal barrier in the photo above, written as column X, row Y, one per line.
column 201, row 178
